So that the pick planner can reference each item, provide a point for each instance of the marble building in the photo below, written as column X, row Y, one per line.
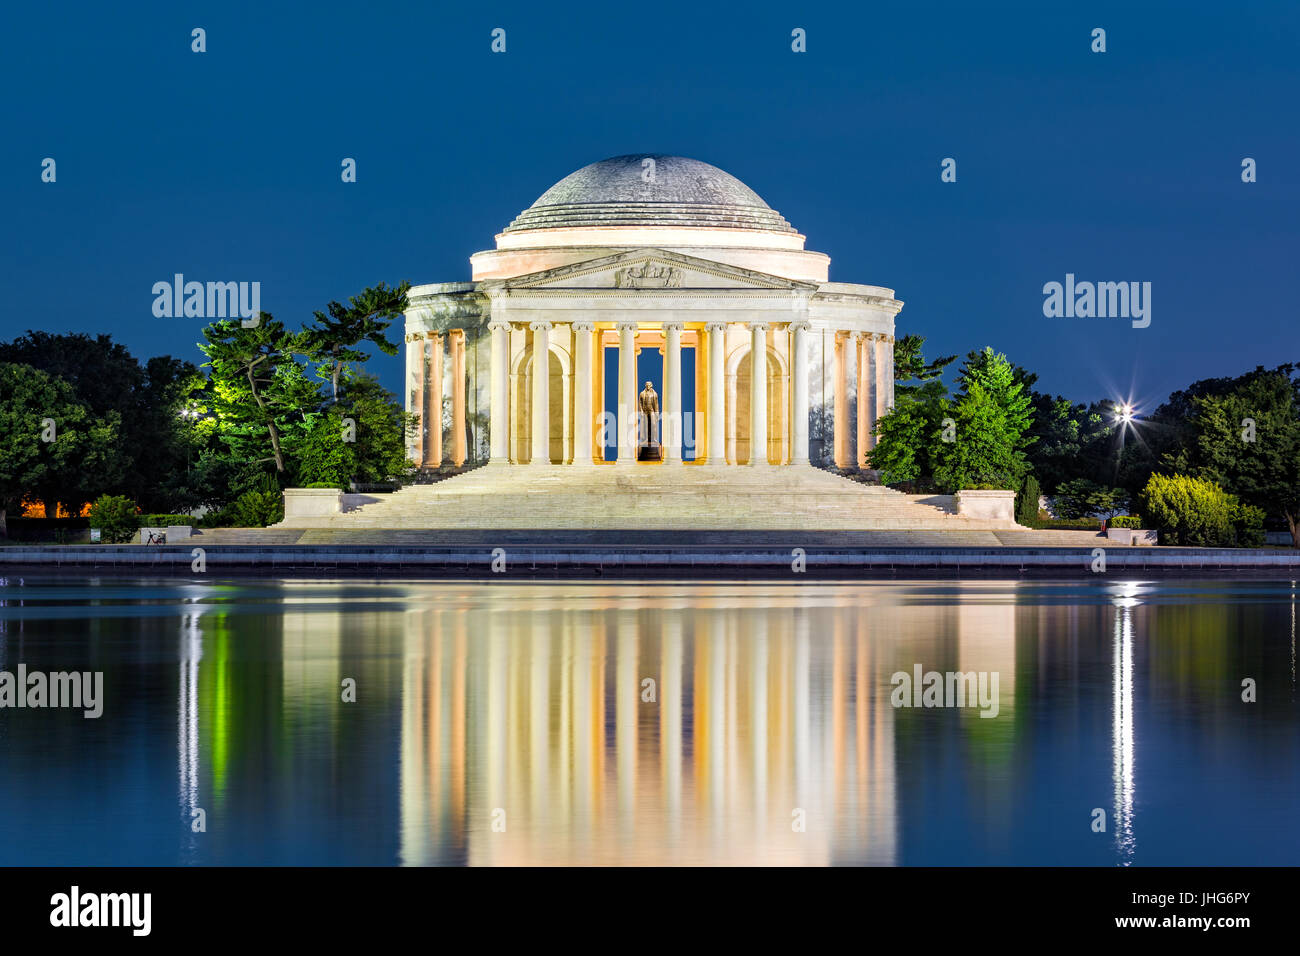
column 648, row 268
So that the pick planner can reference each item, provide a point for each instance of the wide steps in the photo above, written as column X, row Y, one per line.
column 681, row 497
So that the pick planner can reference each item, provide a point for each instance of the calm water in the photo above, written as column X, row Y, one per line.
column 659, row 724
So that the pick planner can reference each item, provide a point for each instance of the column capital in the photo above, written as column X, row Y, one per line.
column 674, row 326
column 432, row 335
column 716, row 326
column 800, row 325
column 626, row 325
column 499, row 325
column 759, row 325
column 583, row 326
column 540, row 326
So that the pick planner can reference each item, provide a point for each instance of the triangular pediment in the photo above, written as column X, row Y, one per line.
column 639, row 270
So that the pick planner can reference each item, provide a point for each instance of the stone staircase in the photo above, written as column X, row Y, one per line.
column 682, row 498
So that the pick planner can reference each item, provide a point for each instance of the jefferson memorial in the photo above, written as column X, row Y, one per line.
column 648, row 279
column 648, row 347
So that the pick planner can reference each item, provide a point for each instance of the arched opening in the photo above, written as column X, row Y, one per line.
column 778, row 451
column 561, row 407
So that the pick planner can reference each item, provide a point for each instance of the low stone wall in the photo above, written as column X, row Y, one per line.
column 682, row 563
column 987, row 505
column 1132, row 536
column 312, row 502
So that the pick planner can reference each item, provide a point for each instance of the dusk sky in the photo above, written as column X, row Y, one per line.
column 1116, row 166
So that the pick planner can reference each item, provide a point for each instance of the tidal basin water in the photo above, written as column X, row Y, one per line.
column 567, row 723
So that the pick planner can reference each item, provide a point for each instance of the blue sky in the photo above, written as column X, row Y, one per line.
column 1122, row 166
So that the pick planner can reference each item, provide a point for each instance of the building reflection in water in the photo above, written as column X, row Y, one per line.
column 660, row 726
column 572, row 724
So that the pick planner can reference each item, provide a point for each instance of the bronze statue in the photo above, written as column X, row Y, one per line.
column 648, row 401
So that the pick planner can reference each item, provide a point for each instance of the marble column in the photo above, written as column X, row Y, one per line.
column 415, row 373
column 841, row 420
column 627, row 392
column 758, row 394
column 431, row 412
column 716, row 423
column 459, row 446
column 499, row 428
column 866, row 412
column 541, row 444
column 799, row 406
column 881, row 347
column 582, row 412
column 887, row 346
column 670, row 428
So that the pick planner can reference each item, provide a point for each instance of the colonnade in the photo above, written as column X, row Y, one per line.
column 435, row 366
column 869, row 353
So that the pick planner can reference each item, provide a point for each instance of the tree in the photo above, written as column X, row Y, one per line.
column 911, row 370
column 360, row 439
column 907, row 435
column 334, row 339
column 49, row 437
column 109, row 381
column 1027, row 502
column 991, row 418
column 1085, row 498
column 1245, row 436
column 259, row 392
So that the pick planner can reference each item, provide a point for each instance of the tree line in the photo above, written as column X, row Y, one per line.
column 1214, row 464
column 269, row 408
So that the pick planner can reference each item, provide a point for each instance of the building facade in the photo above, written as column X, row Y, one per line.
column 659, row 269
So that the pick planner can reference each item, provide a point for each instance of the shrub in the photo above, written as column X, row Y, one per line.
column 1124, row 521
column 1193, row 511
column 255, row 509
column 1072, row 524
column 115, row 517
column 1027, row 502
column 321, row 484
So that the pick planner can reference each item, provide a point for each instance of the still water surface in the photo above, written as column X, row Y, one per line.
column 565, row 723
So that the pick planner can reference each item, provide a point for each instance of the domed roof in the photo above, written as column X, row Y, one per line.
column 629, row 191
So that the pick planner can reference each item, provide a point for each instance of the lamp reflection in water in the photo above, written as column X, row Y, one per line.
column 1122, row 740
